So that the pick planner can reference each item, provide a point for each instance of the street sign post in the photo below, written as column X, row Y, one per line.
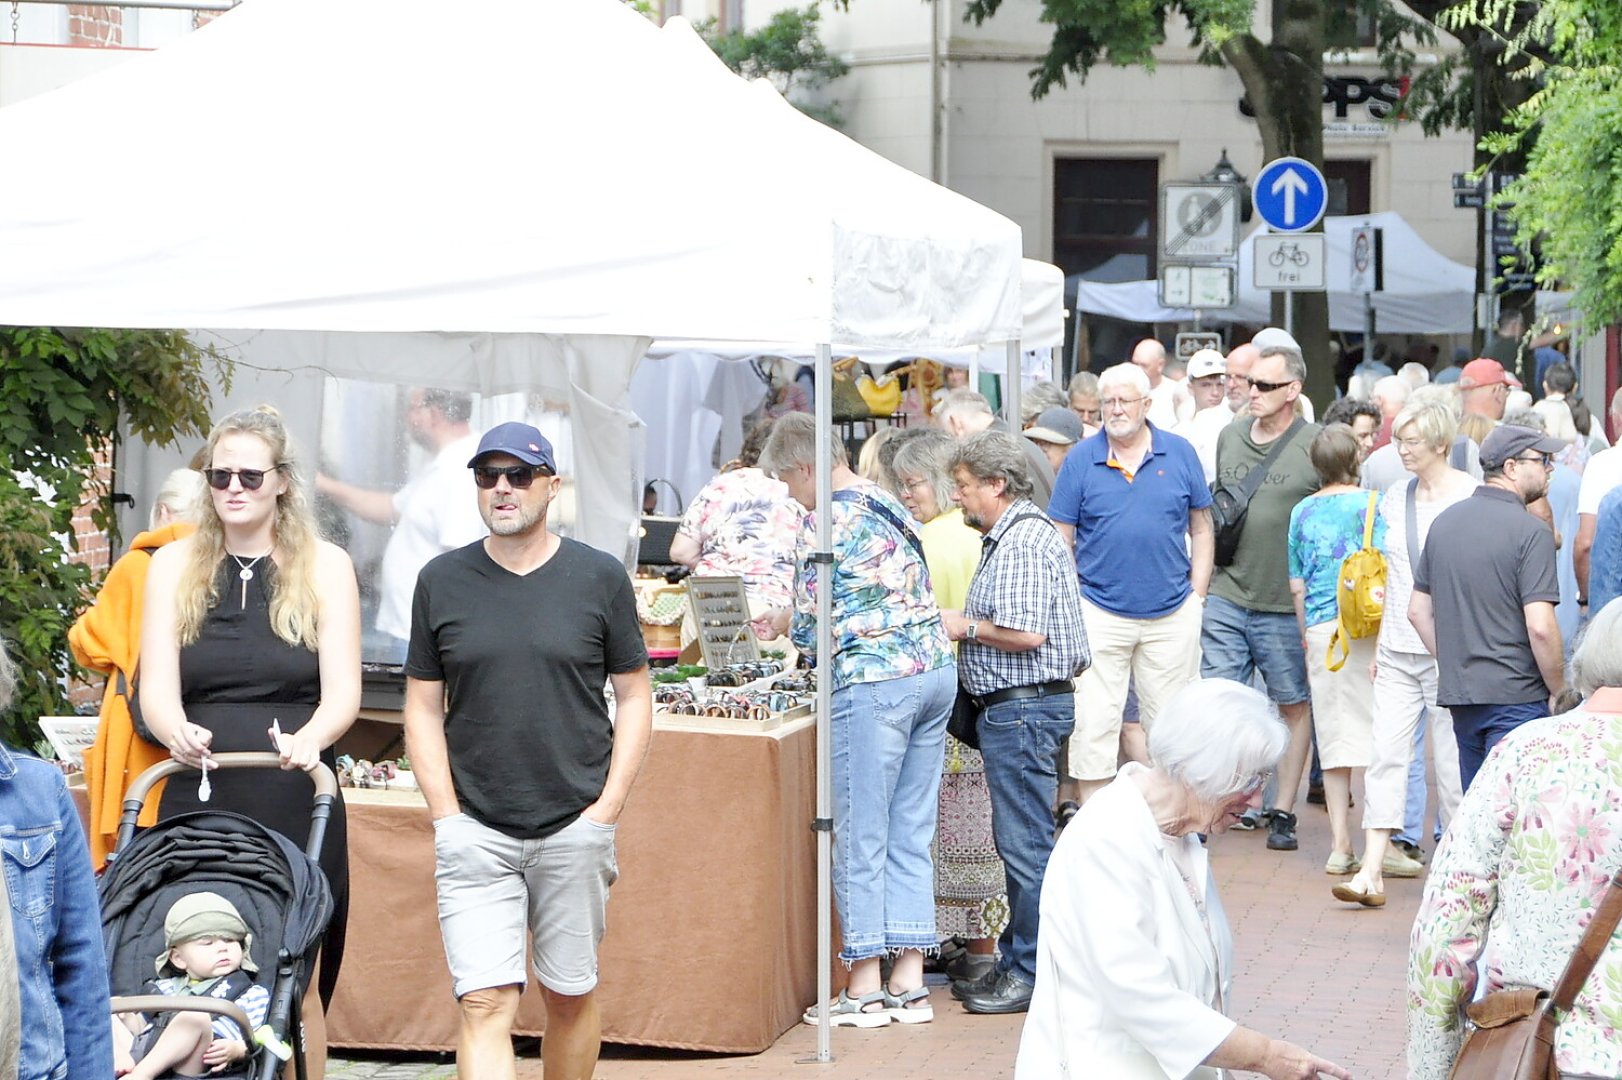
column 1195, row 285
column 1199, row 221
column 1368, row 260
column 1290, row 194
column 1288, row 262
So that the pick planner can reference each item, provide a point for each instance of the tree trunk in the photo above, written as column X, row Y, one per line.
column 1284, row 82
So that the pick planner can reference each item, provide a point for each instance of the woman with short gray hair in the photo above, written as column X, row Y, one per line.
column 1134, row 956
column 971, row 902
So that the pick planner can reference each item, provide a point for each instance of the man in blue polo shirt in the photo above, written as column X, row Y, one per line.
column 1124, row 500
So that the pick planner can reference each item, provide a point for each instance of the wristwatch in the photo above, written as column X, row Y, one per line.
column 973, row 631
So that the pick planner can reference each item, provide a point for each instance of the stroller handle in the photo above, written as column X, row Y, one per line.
column 145, row 1003
column 325, row 782
column 326, row 793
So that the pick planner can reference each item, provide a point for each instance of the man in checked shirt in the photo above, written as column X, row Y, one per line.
column 1022, row 643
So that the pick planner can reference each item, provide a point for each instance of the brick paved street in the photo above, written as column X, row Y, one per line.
column 1311, row 970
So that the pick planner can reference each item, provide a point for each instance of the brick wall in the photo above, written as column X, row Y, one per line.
column 95, row 25
column 95, row 551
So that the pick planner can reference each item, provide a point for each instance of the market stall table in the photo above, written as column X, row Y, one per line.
column 711, row 941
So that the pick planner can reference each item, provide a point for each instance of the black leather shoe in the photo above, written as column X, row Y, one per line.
column 1010, row 994
column 961, row 988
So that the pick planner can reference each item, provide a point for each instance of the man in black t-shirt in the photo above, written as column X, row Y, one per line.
column 524, row 772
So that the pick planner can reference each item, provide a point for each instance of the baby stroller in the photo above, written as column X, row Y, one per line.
column 279, row 890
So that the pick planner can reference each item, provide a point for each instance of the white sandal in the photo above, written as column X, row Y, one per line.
column 903, row 1007
column 846, row 1011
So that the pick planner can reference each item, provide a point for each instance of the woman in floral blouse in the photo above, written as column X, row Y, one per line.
column 894, row 680
column 1520, row 871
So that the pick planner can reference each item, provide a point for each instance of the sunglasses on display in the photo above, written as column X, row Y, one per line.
column 252, row 479
column 519, row 476
column 1267, row 387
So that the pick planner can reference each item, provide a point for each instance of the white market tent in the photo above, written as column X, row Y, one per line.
column 495, row 195
column 1425, row 291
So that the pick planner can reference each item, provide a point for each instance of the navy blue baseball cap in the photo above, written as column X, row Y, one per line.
column 521, row 441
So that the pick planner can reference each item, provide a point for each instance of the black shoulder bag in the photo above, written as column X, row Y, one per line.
column 964, row 723
column 1230, row 504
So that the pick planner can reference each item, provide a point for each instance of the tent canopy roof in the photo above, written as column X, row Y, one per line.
column 490, row 165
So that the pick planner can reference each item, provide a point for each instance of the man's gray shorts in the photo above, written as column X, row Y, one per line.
column 493, row 887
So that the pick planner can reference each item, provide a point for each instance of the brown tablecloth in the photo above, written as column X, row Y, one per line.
column 711, row 941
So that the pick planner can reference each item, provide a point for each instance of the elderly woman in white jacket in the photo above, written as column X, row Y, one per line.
column 1134, row 956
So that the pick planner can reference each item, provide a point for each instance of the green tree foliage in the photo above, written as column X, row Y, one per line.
column 788, row 50
column 1570, row 130
column 63, row 393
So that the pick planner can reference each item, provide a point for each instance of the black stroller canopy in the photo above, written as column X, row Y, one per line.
column 279, row 891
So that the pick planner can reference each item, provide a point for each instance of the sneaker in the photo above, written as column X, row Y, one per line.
column 1342, row 863
column 963, row 987
column 1066, row 811
column 1007, row 994
column 1398, row 863
column 846, row 1011
column 1281, row 832
column 1251, row 820
column 968, row 966
column 1315, row 794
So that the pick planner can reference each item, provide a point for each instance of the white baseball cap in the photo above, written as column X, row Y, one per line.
column 1207, row 362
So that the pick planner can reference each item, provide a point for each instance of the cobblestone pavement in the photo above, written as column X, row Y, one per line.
column 1326, row 975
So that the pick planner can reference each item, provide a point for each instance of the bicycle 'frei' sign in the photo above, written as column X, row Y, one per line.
column 1286, row 262
column 1290, row 194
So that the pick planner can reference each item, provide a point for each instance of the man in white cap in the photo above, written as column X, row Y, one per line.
column 1207, row 369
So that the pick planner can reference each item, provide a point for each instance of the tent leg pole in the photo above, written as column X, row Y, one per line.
column 1016, row 384
column 824, row 825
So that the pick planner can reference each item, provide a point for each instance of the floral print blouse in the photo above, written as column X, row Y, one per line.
column 1515, row 882
column 744, row 524
column 886, row 622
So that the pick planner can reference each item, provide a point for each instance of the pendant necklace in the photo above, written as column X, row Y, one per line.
column 245, row 573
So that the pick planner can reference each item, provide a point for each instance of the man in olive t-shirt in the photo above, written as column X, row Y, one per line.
column 1249, row 622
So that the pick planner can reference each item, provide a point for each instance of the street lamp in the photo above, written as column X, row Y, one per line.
column 1223, row 172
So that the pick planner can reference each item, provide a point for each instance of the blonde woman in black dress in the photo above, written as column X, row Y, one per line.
column 252, row 626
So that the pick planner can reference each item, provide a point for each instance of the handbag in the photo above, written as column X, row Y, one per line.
column 1230, row 504
column 1513, row 1033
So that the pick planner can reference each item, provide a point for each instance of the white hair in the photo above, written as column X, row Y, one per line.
column 1130, row 376
column 1597, row 659
column 962, row 402
column 1391, row 388
column 181, row 494
column 1216, row 735
column 1416, row 373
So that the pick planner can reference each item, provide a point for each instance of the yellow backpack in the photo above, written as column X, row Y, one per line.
column 1359, row 593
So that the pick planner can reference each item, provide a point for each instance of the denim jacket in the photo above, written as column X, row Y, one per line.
column 56, row 924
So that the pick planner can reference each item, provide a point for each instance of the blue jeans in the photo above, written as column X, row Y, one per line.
column 1235, row 642
column 1413, row 814
column 1019, row 740
column 1479, row 727
column 889, row 744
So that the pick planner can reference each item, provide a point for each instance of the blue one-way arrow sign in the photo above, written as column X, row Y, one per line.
column 1290, row 194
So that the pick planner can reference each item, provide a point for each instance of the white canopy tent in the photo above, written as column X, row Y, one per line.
column 1425, row 291
column 462, row 196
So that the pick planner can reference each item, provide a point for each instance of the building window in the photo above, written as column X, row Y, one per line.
column 1348, row 187
column 1106, row 217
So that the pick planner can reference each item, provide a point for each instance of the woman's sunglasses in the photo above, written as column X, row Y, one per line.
column 252, row 479
column 519, row 476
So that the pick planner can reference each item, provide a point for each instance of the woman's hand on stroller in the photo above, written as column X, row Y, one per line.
column 189, row 743
column 223, row 1053
column 299, row 750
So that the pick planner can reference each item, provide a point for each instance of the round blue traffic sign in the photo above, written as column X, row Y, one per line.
column 1290, row 194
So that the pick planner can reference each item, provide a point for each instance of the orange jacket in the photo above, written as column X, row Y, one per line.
column 107, row 638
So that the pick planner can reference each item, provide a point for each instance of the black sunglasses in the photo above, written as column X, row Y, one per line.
column 1267, row 387
column 519, row 476
column 252, row 479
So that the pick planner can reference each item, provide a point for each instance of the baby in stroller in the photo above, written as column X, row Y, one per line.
column 207, row 952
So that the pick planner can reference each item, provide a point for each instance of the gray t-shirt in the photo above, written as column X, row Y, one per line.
column 1259, row 577
column 1486, row 558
